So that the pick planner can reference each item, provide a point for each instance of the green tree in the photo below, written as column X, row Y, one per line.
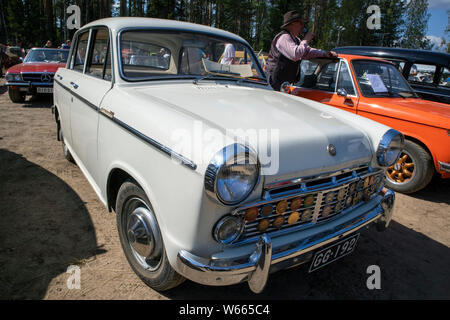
column 416, row 26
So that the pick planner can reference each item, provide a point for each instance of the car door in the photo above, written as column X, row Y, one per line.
column 65, row 83
column 318, row 85
column 345, row 97
column 91, row 87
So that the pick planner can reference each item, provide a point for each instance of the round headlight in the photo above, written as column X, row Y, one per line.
column 232, row 174
column 390, row 147
column 228, row 229
column 9, row 77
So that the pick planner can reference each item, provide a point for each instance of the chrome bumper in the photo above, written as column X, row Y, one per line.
column 444, row 166
column 265, row 259
column 30, row 84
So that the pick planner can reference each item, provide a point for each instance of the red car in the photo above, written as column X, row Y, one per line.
column 35, row 74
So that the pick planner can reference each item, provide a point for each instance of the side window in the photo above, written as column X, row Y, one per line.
column 326, row 79
column 80, row 52
column 307, row 77
column 422, row 73
column 345, row 80
column 445, row 78
column 99, row 64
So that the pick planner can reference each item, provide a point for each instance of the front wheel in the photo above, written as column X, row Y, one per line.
column 16, row 96
column 141, row 239
column 412, row 172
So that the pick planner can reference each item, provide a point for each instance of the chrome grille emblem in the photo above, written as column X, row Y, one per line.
column 45, row 77
column 331, row 149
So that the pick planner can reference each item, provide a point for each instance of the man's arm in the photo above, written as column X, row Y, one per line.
column 295, row 52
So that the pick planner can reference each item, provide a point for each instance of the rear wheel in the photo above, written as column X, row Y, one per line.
column 16, row 96
column 66, row 151
column 141, row 239
column 413, row 171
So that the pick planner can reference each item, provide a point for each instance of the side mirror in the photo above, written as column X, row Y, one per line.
column 342, row 92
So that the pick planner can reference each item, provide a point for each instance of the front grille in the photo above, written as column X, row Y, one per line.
column 309, row 202
column 35, row 77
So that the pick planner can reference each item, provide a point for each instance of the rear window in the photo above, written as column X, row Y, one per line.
column 421, row 73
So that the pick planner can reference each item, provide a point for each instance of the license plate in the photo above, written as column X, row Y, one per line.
column 334, row 252
column 44, row 90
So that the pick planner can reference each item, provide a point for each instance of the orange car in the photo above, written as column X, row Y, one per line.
column 375, row 89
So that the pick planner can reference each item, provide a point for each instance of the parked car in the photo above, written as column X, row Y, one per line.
column 9, row 56
column 375, row 89
column 35, row 74
column 428, row 72
column 194, row 196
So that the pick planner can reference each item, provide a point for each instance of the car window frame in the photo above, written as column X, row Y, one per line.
column 343, row 60
column 426, row 84
column 379, row 61
column 90, row 51
column 441, row 72
column 75, row 49
column 118, row 51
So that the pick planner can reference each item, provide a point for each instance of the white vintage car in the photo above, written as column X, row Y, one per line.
column 213, row 176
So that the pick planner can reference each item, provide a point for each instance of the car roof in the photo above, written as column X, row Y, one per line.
column 350, row 57
column 118, row 23
column 411, row 55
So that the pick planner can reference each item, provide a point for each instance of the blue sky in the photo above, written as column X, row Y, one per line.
column 438, row 20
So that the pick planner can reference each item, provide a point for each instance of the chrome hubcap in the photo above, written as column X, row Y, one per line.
column 143, row 235
column 139, row 234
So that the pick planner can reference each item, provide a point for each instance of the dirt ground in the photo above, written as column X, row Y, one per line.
column 50, row 218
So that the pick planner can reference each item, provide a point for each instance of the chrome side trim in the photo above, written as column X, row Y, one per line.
column 444, row 166
column 183, row 160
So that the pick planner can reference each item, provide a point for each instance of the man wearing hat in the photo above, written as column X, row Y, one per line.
column 287, row 51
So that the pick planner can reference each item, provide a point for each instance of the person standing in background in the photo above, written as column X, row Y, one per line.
column 287, row 51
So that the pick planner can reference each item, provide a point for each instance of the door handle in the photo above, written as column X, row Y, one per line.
column 59, row 77
column 349, row 102
column 74, row 85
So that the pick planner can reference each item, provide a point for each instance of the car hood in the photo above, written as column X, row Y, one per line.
column 303, row 129
column 417, row 110
column 36, row 67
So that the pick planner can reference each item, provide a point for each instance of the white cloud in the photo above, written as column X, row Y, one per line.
column 439, row 4
column 436, row 41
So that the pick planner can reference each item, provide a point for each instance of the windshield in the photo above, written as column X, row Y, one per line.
column 47, row 55
column 378, row 79
column 147, row 55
